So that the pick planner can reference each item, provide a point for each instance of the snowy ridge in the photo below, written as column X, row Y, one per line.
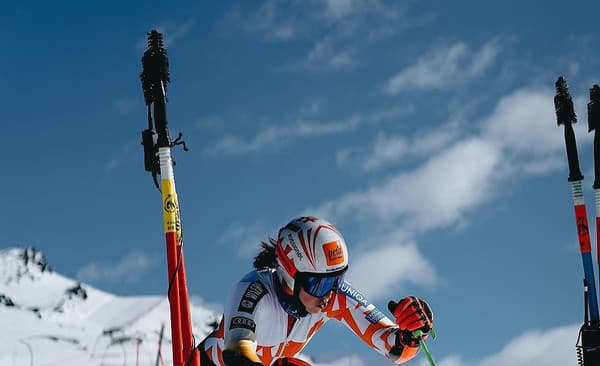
column 47, row 319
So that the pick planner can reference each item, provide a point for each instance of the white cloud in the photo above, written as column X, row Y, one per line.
column 387, row 266
column 434, row 195
column 277, row 135
column 129, row 269
column 338, row 30
column 174, row 32
column 519, row 136
column 282, row 134
column 327, row 54
column 483, row 59
column 518, row 139
column 524, row 122
column 543, row 165
column 533, row 347
column 269, row 21
column 276, row 20
column 346, row 30
column 386, row 149
column 444, row 67
column 246, row 238
column 537, row 347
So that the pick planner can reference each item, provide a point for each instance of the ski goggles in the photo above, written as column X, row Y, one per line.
column 320, row 285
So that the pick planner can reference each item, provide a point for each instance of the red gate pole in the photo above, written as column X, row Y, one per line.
column 157, row 159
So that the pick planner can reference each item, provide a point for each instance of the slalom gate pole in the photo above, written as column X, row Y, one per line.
column 593, row 108
column 158, row 160
column 590, row 332
column 565, row 115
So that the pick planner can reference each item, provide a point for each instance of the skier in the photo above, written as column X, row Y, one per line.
column 298, row 285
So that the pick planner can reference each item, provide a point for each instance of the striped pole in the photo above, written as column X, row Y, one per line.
column 155, row 76
column 593, row 109
column 171, row 222
column 176, row 262
column 565, row 115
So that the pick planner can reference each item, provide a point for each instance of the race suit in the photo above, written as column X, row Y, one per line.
column 254, row 313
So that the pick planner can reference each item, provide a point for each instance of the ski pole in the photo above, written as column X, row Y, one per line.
column 565, row 115
column 157, row 160
column 419, row 334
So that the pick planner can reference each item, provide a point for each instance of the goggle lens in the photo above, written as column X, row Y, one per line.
column 321, row 286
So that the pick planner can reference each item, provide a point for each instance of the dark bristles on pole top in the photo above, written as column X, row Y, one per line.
column 565, row 115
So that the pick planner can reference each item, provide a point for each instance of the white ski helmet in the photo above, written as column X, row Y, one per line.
column 310, row 249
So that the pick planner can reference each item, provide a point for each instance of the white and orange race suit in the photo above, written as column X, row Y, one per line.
column 254, row 313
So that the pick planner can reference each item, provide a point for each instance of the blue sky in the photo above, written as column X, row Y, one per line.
column 424, row 130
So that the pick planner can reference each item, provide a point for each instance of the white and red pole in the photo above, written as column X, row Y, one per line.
column 158, row 160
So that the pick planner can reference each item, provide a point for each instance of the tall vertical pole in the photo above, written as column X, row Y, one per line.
column 565, row 115
column 593, row 109
column 189, row 350
column 157, row 143
column 588, row 351
column 171, row 222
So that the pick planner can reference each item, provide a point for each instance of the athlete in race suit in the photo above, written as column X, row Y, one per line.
column 299, row 285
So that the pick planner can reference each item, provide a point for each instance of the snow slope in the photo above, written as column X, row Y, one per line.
column 49, row 320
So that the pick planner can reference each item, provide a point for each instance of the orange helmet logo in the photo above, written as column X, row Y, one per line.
column 333, row 253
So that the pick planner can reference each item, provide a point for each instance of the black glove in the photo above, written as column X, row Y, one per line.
column 412, row 314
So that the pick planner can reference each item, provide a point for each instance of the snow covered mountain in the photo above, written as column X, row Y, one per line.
column 48, row 319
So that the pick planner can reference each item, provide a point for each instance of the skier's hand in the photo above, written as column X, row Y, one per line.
column 412, row 314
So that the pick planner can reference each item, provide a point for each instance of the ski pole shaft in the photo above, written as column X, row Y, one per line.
column 565, row 115
column 427, row 353
column 419, row 334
